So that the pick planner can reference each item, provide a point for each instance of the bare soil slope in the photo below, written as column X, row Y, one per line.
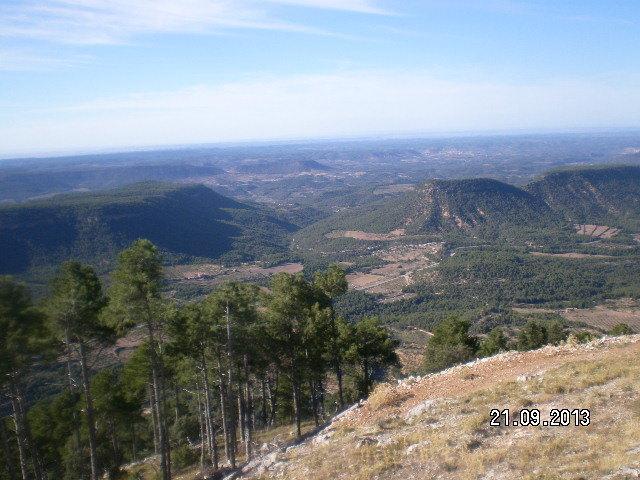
column 438, row 426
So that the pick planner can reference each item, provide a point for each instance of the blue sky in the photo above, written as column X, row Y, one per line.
column 84, row 75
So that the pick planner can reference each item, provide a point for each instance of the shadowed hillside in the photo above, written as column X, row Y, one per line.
column 18, row 184
column 190, row 221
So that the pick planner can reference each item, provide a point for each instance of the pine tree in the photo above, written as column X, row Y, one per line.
column 287, row 318
column 494, row 343
column 333, row 283
column 196, row 337
column 449, row 345
column 135, row 298
column 372, row 348
column 74, row 306
column 24, row 336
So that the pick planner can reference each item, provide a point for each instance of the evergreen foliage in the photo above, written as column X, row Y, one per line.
column 450, row 344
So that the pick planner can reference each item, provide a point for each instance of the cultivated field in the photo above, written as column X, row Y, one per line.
column 404, row 262
column 395, row 188
column 212, row 274
column 215, row 271
column 367, row 236
column 570, row 255
column 597, row 231
column 603, row 317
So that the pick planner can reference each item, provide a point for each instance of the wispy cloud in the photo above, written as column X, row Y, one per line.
column 360, row 6
column 89, row 22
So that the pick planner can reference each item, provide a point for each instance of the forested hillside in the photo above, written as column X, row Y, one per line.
column 438, row 207
column 488, row 208
column 592, row 195
column 18, row 184
column 184, row 221
column 271, row 167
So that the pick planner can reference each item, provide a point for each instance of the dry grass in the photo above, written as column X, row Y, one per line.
column 451, row 438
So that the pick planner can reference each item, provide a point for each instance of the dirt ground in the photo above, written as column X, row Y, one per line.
column 216, row 273
column 437, row 426
column 465, row 379
column 571, row 255
column 597, row 231
column 395, row 188
column 368, row 236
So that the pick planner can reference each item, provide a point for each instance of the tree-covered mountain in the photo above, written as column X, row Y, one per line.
column 442, row 206
column 187, row 221
column 21, row 183
column 592, row 195
column 262, row 167
column 484, row 207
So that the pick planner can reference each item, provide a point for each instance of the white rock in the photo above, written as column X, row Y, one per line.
column 419, row 409
column 412, row 448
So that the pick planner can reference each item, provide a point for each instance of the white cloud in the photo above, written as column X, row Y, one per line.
column 116, row 21
column 332, row 105
column 361, row 6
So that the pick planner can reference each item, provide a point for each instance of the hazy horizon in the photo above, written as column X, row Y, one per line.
column 284, row 142
column 80, row 76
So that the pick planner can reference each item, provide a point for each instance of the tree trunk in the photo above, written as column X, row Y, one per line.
column 91, row 424
column 241, row 412
column 232, row 422
column 76, row 420
column 21, row 436
column 321, row 399
column 212, row 442
column 203, row 433
column 248, row 409
column 176, row 396
column 263, row 409
column 229, row 447
column 115, row 445
column 157, row 393
column 154, row 419
column 296, row 407
column 38, row 468
column 8, row 455
column 314, row 402
column 365, row 371
column 339, row 374
column 273, row 400
column 134, row 449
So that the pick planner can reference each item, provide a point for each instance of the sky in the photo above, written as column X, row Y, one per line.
column 94, row 75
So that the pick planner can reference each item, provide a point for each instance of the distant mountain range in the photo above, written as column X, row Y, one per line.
column 557, row 199
column 184, row 221
column 20, row 184
column 189, row 221
column 280, row 167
